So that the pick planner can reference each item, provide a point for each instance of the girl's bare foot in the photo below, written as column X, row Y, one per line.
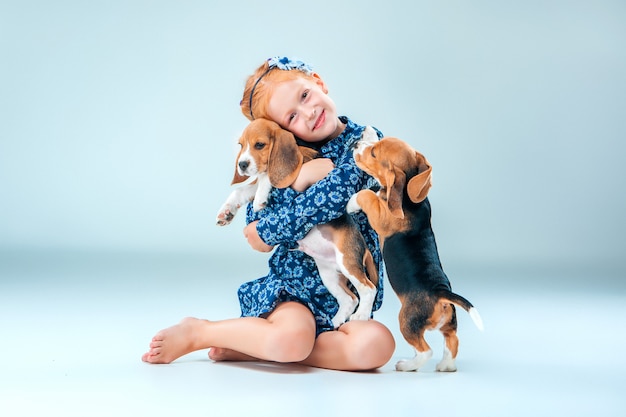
column 172, row 343
column 222, row 354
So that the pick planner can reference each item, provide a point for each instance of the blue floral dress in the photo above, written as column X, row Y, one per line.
column 288, row 217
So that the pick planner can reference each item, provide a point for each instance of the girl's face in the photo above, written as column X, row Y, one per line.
column 302, row 106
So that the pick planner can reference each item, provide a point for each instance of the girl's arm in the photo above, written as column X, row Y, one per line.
column 291, row 215
column 312, row 172
column 253, row 238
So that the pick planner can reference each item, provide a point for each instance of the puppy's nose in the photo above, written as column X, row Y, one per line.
column 243, row 165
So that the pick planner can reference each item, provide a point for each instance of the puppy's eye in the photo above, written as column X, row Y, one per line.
column 373, row 153
column 259, row 145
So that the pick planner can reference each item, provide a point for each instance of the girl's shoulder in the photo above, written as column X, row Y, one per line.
column 355, row 130
column 346, row 140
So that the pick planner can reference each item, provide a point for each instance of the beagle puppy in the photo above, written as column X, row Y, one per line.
column 401, row 215
column 271, row 155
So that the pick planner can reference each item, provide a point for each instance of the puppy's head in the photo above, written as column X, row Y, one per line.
column 267, row 148
column 396, row 166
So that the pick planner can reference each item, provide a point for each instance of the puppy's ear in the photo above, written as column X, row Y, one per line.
column 285, row 159
column 396, row 180
column 308, row 154
column 418, row 186
column 238, row 179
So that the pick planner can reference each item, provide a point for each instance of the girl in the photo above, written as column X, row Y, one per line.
column 286, row 315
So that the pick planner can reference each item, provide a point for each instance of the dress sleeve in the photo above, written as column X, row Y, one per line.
column 290, row 215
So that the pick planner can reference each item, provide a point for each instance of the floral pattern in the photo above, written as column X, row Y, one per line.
column 288, row 217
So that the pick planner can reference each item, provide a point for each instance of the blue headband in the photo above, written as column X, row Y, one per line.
column 282, row 63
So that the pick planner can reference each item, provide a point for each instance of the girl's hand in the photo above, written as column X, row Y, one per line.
column 254, row 240
column 311, row 172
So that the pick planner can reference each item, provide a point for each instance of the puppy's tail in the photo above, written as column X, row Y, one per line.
column 457, row 300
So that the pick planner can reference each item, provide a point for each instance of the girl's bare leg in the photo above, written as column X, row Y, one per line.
column 355, row 346
column 222, row 355
column 286, row 335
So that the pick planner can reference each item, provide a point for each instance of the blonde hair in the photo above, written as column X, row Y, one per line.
column 260, row 86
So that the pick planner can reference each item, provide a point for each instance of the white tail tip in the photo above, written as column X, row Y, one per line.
column 478, row 321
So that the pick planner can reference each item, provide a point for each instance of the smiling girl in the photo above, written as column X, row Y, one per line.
column 286, row 315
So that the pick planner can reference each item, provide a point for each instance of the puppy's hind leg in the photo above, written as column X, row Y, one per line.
column 451, row 347
column 447, row 363
column 336, row 284
column 364, row 287
column 413, row 324
column 423, row 353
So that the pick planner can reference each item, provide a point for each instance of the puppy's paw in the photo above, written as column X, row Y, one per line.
column 359, row 316
column 369, row 135
column 337, row 321
column 446, row 365
column 447, row 362
column 353, row 205
column 414, row 364
column 405, row 365
column 226, row 214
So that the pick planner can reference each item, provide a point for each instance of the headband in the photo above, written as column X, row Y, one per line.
column 282, row 63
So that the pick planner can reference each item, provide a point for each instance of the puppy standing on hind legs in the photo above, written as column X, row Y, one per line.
column 400, row 213
column 271, row 154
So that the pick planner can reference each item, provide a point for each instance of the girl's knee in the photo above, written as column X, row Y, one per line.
column 373, row 345
column 291, row 344
column 293, row 333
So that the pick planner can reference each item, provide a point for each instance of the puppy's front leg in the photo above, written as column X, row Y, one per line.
column 262, row 192
column 375, row 209
column 353, row 205
column 235, row 200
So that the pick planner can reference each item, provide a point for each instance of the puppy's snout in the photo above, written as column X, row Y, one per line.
column 243, row 165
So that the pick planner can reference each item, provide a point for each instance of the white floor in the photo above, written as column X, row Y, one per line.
column 73, row 328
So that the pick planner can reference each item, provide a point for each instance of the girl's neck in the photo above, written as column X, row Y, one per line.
column 340, row 128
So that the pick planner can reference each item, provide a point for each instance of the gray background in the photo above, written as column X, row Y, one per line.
column 118, row 122
column 118, row 119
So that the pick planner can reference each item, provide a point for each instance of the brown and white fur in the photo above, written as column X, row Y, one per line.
column 271, row 154
column 400, row 213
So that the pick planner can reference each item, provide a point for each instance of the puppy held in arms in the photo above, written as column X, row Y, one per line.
column 271, row 155
column 400, row 213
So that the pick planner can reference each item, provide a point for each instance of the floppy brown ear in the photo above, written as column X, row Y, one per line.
column 238, row 179
column 418, row 186
column 395, row 180
column 285, row 159
column 308, row 154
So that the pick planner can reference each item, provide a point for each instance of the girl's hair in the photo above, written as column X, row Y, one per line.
column 260, row 86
